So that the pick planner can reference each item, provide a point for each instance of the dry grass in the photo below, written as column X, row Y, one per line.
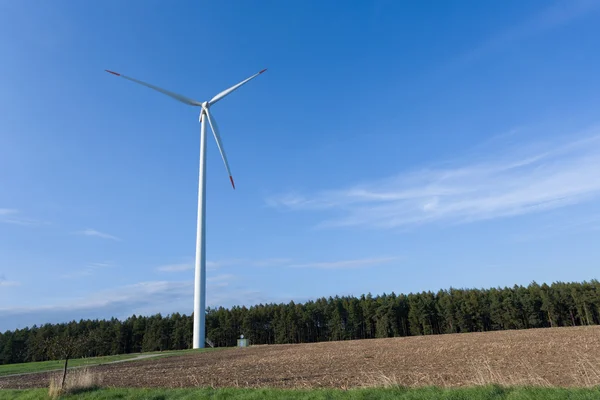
column 563, row 357
column 78, row 380
column 586, row 370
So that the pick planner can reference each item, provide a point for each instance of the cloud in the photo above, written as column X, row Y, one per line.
column 286, row 263
column 93, row 232
column 175, row 267
column 11, row 216
column 6, row 283
column 151, row 297
column 143, row 298
column 212, row 265
column 119, row 302
column 295, row 200
column 561, row 226
column 222, row 280
column 88, row 270
column 224, row 263
column 271, row 262
column 516, row 182
column 345, row 264
column 552, row 17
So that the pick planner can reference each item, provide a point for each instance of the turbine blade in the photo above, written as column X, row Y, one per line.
column 176, row 96
column 215, row 130
column 231, row 89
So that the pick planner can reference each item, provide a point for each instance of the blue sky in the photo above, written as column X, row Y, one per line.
column 391, row 146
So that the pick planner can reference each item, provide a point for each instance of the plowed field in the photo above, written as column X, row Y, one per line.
column 539, row 357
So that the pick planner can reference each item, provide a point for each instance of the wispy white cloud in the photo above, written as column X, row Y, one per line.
column 95, row 233
column 509, row 184
column 121, row 302
column 288, row 263
column 562, row 226
column 547, row 19
column 224, row 263
column 140, row 298
column 271, row 262
column 150, row 297
column 88, row 270
column 4, row 283
column 186, row 266
column 175, row 267
column 212, row 265
column 222, row 280
column 12, row 216
column 346, row 264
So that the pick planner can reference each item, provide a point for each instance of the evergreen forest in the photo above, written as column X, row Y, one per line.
column 324, row 319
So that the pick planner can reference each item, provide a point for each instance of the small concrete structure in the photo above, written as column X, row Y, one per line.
column 241, row 342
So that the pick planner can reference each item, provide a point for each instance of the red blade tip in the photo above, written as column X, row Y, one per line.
column 112, row 72
column 262, row 71
column 231, row 179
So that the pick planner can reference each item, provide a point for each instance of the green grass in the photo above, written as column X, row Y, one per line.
column 41, row 366
column 472, row 393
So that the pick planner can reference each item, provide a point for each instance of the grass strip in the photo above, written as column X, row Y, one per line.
column 426, row 393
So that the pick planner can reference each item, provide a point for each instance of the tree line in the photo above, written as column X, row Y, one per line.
column 333, row 318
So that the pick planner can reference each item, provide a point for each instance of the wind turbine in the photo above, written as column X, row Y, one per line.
column 200, row 266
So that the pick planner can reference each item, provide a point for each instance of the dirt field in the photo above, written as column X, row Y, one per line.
column 540, row 357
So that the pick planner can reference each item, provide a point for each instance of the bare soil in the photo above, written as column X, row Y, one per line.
column 538, row 357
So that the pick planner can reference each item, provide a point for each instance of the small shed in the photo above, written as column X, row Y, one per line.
column 241, row 342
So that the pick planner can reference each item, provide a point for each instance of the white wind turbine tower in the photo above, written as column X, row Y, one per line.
column 200, row 274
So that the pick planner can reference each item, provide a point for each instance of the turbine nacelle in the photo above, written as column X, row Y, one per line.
column 203, row 110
